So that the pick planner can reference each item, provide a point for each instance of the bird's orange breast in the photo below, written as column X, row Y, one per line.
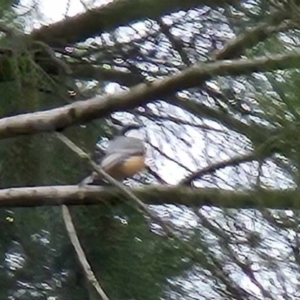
column 133, row 165
column 128, row 168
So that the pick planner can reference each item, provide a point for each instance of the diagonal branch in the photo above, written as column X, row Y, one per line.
column 99, row 107
column 220, row 165
column 71, row 228
column 139, row 205
column 197, row 257
column 251, row 37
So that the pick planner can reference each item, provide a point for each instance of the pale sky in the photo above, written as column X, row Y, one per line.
column 55, row 10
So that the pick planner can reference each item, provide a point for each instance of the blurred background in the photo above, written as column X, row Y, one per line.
column 53, row 53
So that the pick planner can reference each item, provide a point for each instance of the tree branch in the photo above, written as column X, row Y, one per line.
column 154, row 195
column 98, row 107
column 251, row 37
column 110, row 16
column 220, row 165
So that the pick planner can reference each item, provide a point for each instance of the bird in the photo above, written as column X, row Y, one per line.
column 125, row 156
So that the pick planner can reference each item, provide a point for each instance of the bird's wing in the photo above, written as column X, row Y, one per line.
column 128, row 145
column 86, row 181
column 112, row 160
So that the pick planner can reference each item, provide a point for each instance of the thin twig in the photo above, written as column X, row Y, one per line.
column 177, row 121
column 156, row 175
column 232, row 286
column 219, row 165
column 80, row 253
column 264, row 150
column 140, row 205
column 169, row 157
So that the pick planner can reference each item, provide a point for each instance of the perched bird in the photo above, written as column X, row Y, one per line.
column 124, row 157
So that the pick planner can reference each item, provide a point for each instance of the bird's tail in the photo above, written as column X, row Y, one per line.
column 91, row 180
column 86, row 181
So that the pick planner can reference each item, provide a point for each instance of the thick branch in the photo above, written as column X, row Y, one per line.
column 155, row 195
column 111, row 16
column 84, row 111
